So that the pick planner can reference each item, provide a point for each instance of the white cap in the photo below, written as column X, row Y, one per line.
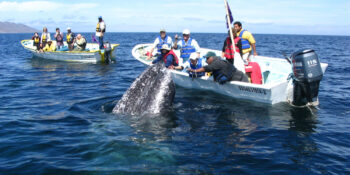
column 194, row 56
column 186, row 32
column 165, row 47
column 162, row 29
column 68, row 28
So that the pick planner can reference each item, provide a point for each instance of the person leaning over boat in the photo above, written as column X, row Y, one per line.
column 248, row 41
column 193, row 63
column 81, row 43
column 187, row 45
column 36, row 41
column 163, row 38
column 227, row 49
column 59, row 39
column 45, row 36
column 168, row 56
column 100, row 30
column 70, row 39
column 223, row 71
column 50, row 47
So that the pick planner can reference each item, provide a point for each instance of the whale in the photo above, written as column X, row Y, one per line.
column 152, row 92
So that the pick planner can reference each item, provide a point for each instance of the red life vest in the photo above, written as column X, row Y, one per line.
column 254, row 70
column 176, row 60
column 229, row 54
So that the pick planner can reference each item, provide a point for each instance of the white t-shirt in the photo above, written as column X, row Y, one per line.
column 193, row 43
column 156, row 42
column 48, row 37
column 102, row 26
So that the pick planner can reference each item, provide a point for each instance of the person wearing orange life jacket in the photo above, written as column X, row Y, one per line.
column 36, row 40
column 168, row 56
column 227, row 49
column 45, row 36
column 248, row 42
column 163, row 38
column 70, row 37
column 100, row 31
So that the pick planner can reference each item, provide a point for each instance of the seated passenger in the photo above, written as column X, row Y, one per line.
column 50, row 47
column 223, row 71
column 193, row 63
column 168, row 56
column 36, row 40
column 158, row 43
column 81, row 43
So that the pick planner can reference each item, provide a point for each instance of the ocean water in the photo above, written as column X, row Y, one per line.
column 56, row 117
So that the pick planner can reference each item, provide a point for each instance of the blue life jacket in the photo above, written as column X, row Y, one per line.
column 220, row 77
column 187, row 49
column 198, row 66
column 245, row 43
column 161, row 42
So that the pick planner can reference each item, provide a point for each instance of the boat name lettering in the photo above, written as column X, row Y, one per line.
column 252, row 89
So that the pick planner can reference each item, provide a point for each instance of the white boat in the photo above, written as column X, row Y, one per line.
column 92, row 54
column 276, row 86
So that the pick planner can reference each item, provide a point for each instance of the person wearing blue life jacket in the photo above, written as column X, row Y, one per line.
column 193, row 63
column 163, row 38
column 187, row 45
column 168, row 57
column 223, row 71
column 247, row 40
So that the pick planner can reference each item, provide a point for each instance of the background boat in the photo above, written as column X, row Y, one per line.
column 92, row 54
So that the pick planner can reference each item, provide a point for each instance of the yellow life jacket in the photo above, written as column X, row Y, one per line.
column 69, row 37
column 36, row 40
column 44, row 38
column 98, row 29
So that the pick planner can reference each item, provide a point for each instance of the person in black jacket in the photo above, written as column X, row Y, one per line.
column 223, row 71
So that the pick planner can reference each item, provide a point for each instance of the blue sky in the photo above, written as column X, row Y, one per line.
column 319, row 17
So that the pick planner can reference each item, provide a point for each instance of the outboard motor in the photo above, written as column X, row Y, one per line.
column 307, row 76
column 108, row 52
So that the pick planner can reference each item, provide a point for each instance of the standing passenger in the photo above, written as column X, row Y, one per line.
column 70, row 39
column 36, row 40
column 100, row 30
column 158, row 43
column 187, row 45
column 45, row 37
column 227, row 49
column 248, row 41
column 59, row 39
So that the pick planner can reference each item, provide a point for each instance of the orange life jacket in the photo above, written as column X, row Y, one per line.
column 229, row 54
column 171, row 52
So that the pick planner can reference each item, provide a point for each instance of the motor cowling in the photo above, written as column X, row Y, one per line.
column 108, row 52
column 307, row 76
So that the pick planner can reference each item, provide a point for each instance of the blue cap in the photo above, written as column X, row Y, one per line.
column 100, row 17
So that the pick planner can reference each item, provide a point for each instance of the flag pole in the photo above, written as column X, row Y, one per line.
column 229, row 26
column 238, row 60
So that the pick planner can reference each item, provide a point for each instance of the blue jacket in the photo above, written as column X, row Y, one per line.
column 170, row 60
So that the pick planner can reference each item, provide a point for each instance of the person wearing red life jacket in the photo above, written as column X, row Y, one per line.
column 227, row 49
column 168, row 57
